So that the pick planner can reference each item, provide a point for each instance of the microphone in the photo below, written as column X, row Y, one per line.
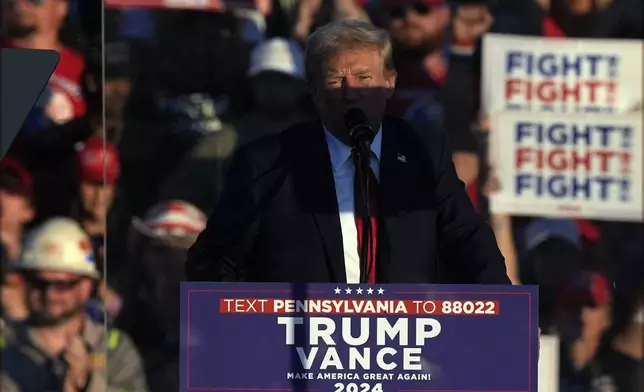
column 360, row 130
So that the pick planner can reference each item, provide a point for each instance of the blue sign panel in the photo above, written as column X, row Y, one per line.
column 358, row 338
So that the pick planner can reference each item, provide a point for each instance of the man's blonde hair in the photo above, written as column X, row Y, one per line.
column 336, row 37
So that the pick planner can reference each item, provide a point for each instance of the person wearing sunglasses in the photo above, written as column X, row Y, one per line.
column 419, row 33
column 59, row 347
column 417, row 25
column 436, row 86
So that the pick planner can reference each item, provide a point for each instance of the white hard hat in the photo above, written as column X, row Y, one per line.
column 59, row 244
column 172, row 219
column 277, row 55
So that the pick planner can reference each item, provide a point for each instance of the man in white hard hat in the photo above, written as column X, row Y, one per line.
column 58, row 347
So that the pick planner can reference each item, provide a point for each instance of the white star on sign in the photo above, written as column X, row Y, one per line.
column 381, row 291
column 358, row 291
column 337, row 290
column 348, row 290
column 369, row 290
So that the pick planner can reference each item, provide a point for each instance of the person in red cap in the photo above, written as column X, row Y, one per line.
column 98, row 169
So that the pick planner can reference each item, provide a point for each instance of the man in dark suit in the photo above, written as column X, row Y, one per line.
column 287, row 213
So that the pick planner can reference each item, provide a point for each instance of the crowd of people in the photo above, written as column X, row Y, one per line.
column 123, row 157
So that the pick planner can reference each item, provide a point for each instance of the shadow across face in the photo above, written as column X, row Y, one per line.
column 353, row 79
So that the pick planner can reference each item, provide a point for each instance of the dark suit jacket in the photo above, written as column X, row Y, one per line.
column 277, row 220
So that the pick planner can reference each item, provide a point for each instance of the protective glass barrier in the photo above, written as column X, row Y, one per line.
column 189, row 82
column 55, row 177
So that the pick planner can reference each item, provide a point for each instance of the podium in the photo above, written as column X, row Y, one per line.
column 358, row 338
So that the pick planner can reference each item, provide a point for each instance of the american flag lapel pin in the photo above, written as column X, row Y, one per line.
column 401, row 158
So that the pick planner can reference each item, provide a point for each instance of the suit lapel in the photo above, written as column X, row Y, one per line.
column 317, row 188
column 393, row 162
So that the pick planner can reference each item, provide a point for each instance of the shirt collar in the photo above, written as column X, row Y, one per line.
column 340, row 152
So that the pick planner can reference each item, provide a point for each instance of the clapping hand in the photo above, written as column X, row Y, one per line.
column 77, row 358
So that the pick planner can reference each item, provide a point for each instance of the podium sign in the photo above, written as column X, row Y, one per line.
column 358, row 338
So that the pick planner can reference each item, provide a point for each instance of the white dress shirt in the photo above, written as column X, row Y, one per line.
column 343, row 175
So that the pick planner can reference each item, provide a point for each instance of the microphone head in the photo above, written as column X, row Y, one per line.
column 358, row 125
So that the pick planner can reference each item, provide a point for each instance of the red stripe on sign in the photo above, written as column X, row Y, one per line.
column 358, row 306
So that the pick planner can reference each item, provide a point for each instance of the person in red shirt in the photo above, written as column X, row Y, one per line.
column 35, row 24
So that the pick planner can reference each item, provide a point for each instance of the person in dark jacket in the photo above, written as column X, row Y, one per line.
column 288, row 211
